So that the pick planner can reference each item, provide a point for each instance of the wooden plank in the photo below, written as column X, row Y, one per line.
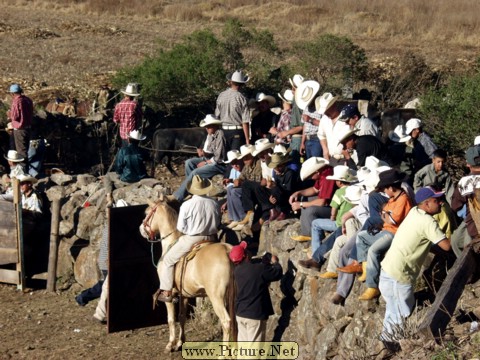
column 8, row 256
column 439, row 314
column 9, row 276
column 53, row 253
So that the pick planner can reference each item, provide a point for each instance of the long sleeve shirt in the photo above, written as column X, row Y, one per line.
column 21, row 112
column 129, row 115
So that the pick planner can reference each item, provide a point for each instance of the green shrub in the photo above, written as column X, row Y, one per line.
column 452, row 113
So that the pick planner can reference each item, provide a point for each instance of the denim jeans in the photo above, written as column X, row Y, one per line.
column 319, row 226
column 234, row 203
column 365, row 240
column 399, row 305
column 313, row 148
column 326, row 246
column 206, row 171
column 376, row 253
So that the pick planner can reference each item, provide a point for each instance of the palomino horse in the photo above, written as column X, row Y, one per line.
column 209, row 273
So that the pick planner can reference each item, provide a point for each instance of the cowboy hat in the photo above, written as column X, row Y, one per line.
column 353, row 193
column 263, row 97
column 279, row 159
column 15, row 88
column 306, row 93
column 262, row 145
column 14, row 156
column 199, row 186
column 370, row 182
column 131, row 90
column 398, row 134
column 27, row 178
column 280, row 149
column 324, row 102
column 311, row 166
column 412, row 124
column 346, row 135
column 9, row 126
column 343, row 173
column 372, row 163
column 238, row 77
column 287, row 96
column 245, row 150
column 296, row 81
column 136, row 135
column 121, row 203
column 231, row 156
column 390, row 177
column 475, row 142
column 210, row 120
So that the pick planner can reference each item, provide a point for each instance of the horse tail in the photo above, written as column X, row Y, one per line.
column 231, row 296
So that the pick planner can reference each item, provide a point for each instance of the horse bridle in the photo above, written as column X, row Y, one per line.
column 148, row 228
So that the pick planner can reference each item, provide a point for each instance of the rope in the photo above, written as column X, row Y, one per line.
column 173, row 151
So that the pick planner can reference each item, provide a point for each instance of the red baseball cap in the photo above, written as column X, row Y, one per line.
column 237, row 254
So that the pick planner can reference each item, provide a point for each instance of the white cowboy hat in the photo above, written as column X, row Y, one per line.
column 238, row 77
column 370, row 182
column 412, row 124
column 475, row 142
column 245, row 150
column 136, row 135
column 343, row 173
column 346, row 134
column 27, row 178
column 398, row 134
column 311, row 166
column 262, row 145
column 232, row 155
column 280, row 149
column 121, row 203
column 324, row 102
column 296, row 81
column 131, row 90
column 372, row 163
column 279, row 159
column 287, row 96
column 199, row 186
column 353, row 193
column 14, row 156
column 363, row 173
column 210, row 120
column 263, row 97
column 306, row 93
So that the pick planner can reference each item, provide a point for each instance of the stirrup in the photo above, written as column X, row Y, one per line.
column 155, row 298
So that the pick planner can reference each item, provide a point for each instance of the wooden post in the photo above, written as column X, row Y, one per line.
column 17, row 201
column 53, row 253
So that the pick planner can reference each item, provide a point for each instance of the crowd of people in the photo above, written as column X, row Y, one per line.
column 376, row 208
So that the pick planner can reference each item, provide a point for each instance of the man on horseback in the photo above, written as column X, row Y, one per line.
column 198, row 220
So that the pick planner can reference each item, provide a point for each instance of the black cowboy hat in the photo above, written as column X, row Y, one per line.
column 390, row 177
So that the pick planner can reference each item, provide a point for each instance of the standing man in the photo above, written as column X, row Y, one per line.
column 21, row 116
column 253, row 305
column 403, row 261
column 129, row 163
column 232, row 109
column 128, row 113
column 198, row 219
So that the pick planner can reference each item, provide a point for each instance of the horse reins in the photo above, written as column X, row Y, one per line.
column 148, row 228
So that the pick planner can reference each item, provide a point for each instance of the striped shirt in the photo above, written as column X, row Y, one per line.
column 232, row 108
column 129, row 114
column 309, row 128
column 21, row 112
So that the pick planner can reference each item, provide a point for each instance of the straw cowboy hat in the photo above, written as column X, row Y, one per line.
column 279, row 159
column 306, row 93
column 262, row 145
column 296, row 81
column 245, row 150
column 372, row 163
column 263, row 97
column 210, row 120
column 199, row 186
column 131, row 90
column 27, row 178
column 280, row 149
column 136, row 135
column 311, row 166
column 412, row 124
column 232, row 155
column 238, row 77
column 343, row 173
column 390, row 177
column 287, row 96
column 324, row 102
column 346, row 134
column 14, row 156
column 398, row 134
column 353, row 193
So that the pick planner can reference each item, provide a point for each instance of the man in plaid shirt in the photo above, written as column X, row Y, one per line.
column 128, row 113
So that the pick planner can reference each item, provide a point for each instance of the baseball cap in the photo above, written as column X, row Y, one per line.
column 425, row 193
column 349, row 111
column 472, row 155
column 237, row 254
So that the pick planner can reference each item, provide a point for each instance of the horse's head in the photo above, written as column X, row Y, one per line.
column 160, row 220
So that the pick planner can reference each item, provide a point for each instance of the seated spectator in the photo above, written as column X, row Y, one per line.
column 129, row 163
column 16, row 169
column 210, row 161
column 318, row 196
column 435, row 173
column 366, row 145
column 399, row 152
column 423, row 146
